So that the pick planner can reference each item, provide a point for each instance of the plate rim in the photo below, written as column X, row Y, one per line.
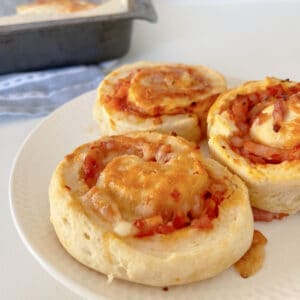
column 58, row 276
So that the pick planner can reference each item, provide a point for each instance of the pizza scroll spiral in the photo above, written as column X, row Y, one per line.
column 255, row 130
column 158, row 97
column 133, row 205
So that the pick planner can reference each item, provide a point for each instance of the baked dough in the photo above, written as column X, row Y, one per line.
column 117, row 206
column 161, row 97
column 55, row 6
column 255, row 131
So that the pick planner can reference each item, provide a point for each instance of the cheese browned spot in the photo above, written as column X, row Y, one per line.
column 252, row 261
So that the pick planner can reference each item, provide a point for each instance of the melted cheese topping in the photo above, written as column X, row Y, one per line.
column 166, row 89
column 289, row 134
column 155, row 90
column 145, row 189
column 148, row 184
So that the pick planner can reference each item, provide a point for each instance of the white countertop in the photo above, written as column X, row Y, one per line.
column 244, row 40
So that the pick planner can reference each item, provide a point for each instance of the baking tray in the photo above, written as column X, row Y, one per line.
column 70, row 41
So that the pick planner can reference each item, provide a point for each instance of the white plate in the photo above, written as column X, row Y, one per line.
column 58, row 135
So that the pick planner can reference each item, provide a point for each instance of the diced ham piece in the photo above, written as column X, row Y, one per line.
column 266, row 216
column 278, row 114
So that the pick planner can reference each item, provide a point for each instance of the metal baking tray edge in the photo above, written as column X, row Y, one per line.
column 85, row 40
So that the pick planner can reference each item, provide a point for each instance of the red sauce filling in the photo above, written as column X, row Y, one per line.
column 245, row 109
column 93, row 162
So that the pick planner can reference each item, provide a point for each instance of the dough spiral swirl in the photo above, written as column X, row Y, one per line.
column 131, row 206
column 255, row 130
column 158, row 97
